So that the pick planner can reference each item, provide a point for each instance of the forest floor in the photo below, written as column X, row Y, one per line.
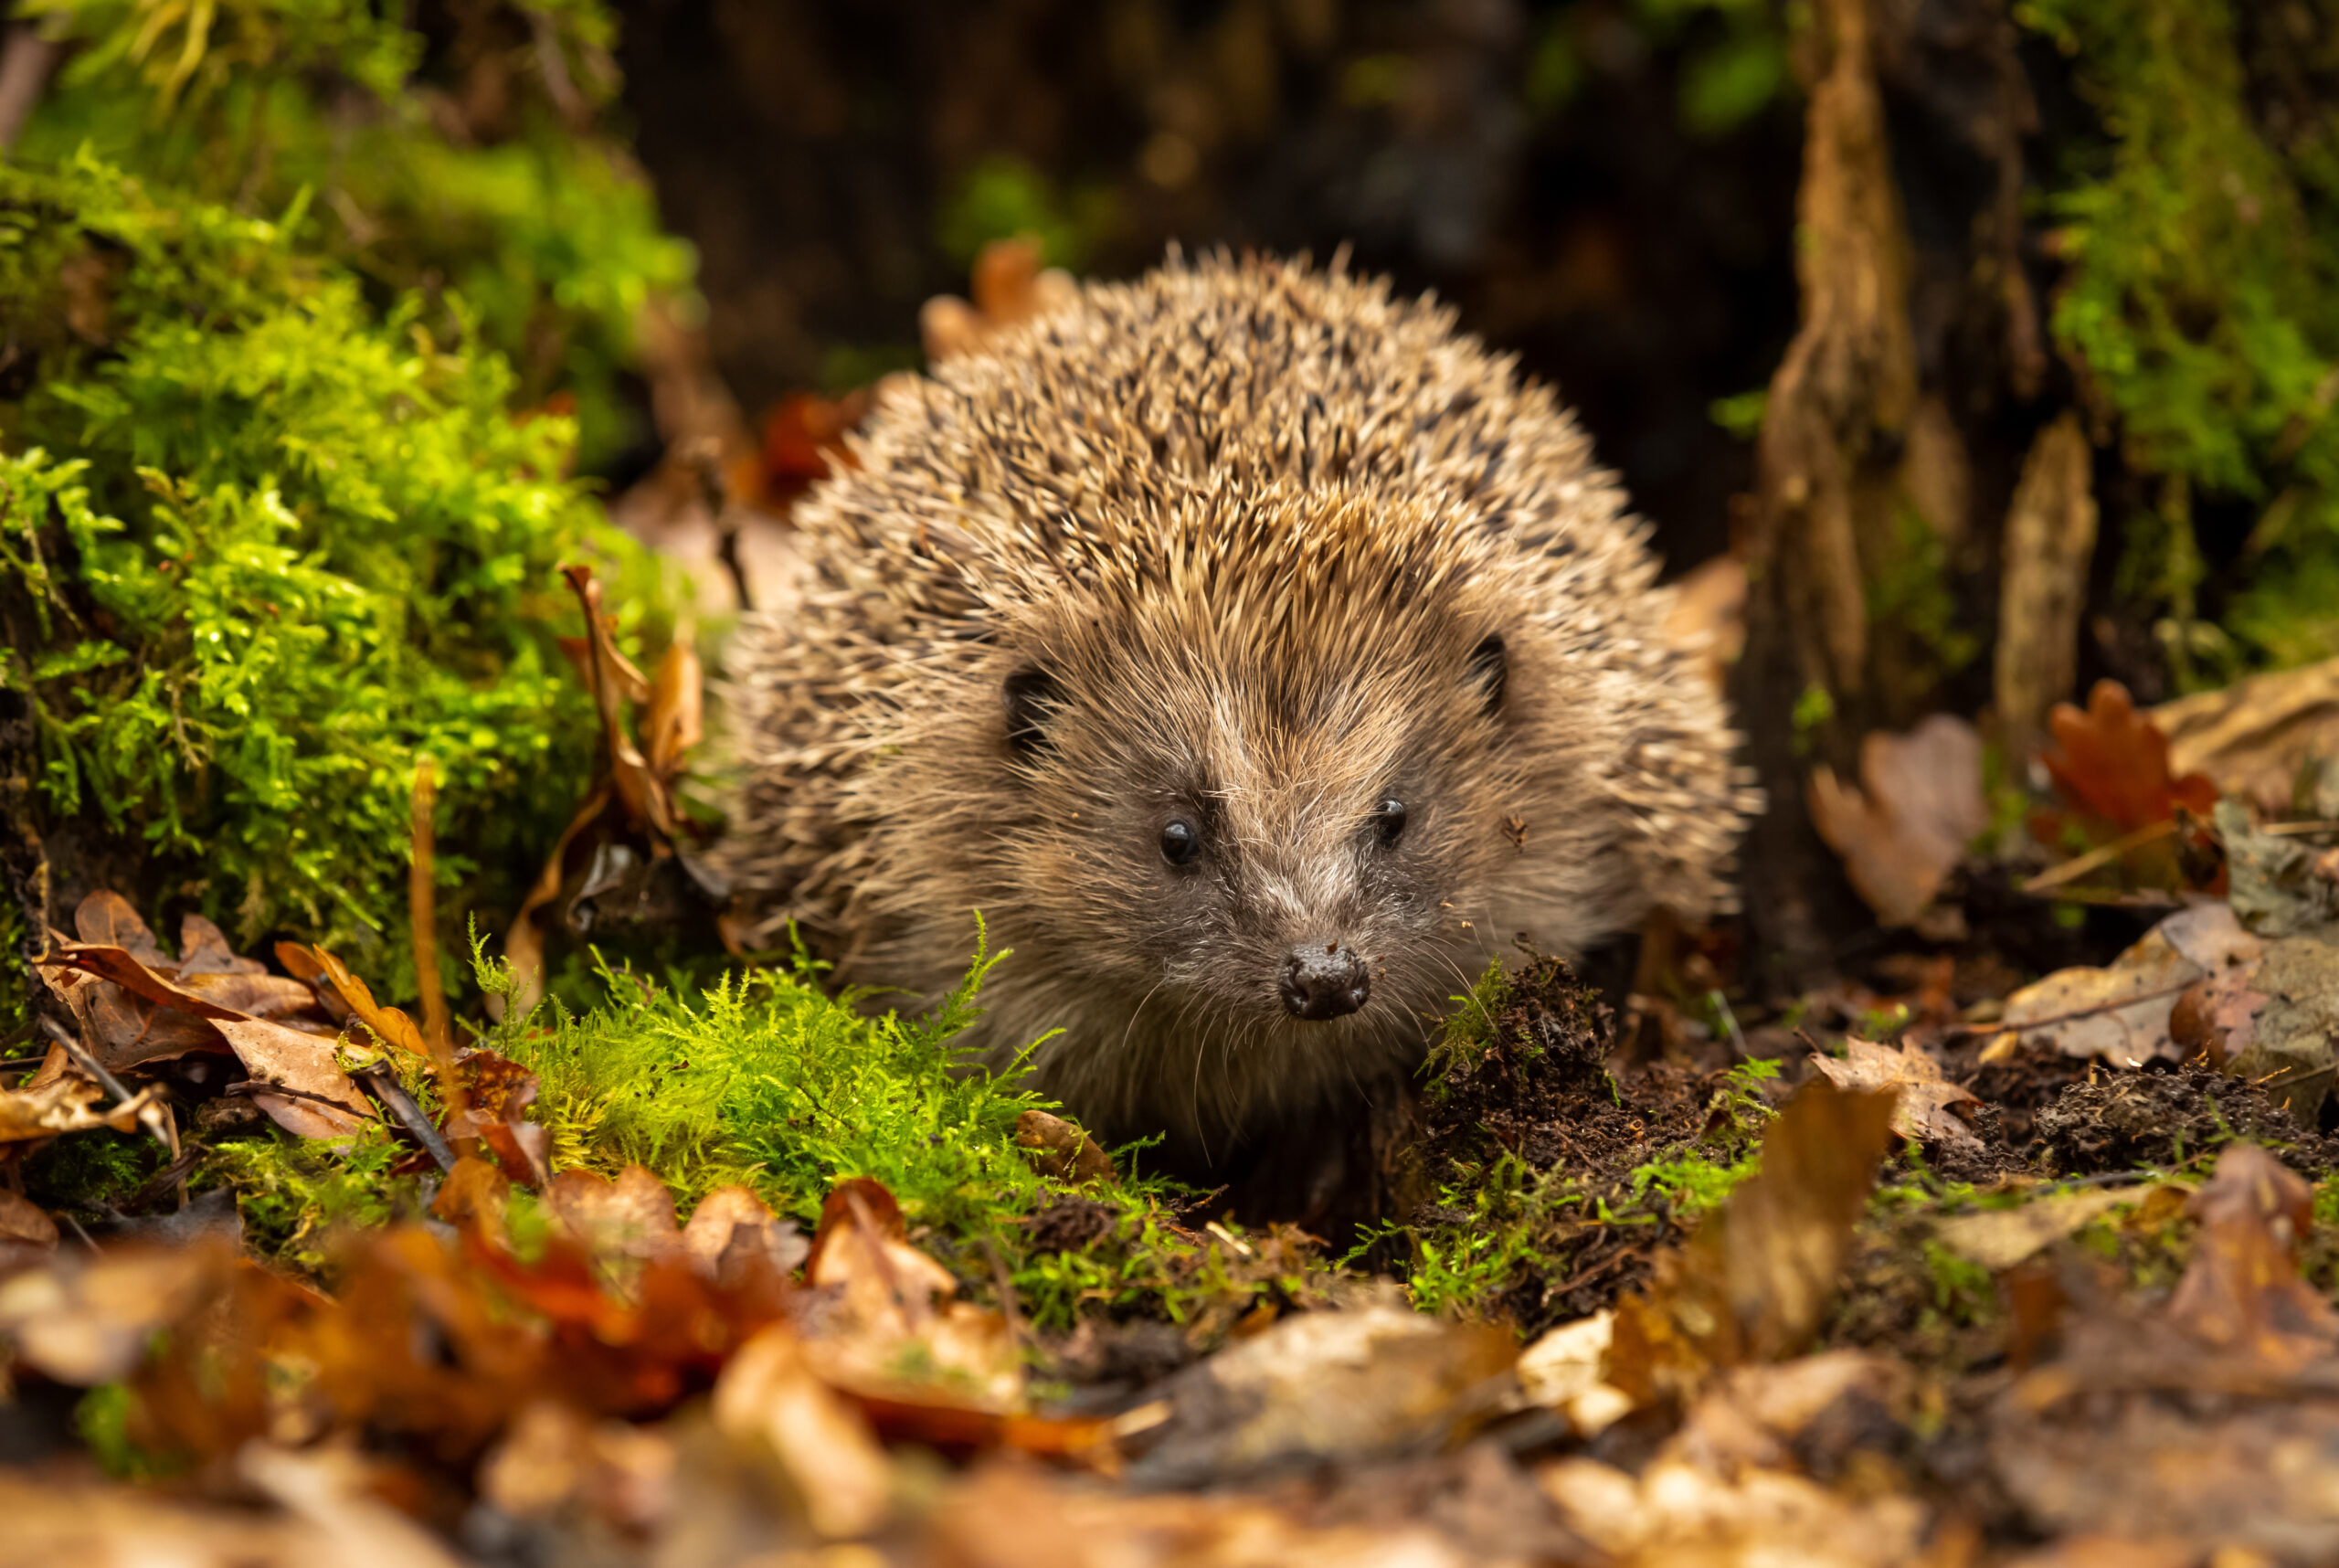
column 1960, row 1271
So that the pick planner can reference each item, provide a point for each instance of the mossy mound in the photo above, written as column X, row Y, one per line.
column 262, row 546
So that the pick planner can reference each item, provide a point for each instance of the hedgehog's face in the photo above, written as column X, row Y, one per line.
column 1262, row 861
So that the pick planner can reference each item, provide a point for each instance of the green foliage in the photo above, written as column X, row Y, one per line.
column 763, row 1079
column 2203, row 308
column 260, row 547
column 294, row 1194
column 1005, row 196
column 468, row 168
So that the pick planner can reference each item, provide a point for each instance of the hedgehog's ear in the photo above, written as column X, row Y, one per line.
column 1488, row 673
column 1032, row 697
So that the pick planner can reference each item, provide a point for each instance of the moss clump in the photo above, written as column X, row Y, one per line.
column 260, row 546
column 466, row 159
column 762, row 1079
column 1547, row 1180
column 2201, row 309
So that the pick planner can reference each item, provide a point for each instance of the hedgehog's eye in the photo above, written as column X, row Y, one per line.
column 1180, row 843
column 1389, row 821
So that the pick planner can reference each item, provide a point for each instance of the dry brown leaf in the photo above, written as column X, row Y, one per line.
column 105, row 918
column 769, row 1397
column 2122, row 1014
column 1925, row 1109
column 1059, row 1149
column 1677, row 1512
column 1906, row 825
column 2252, row 739
column 1998, row 1239
column 1752, row 1283
column 674, row 721
column 328, row 1104
column 2111, row 763
column 2242, row 1292
column 615, row 684
column 61, row 1104
column 204, row 950
column 1325, row 1387
column 392, row 1027
column 86, row 1320
column 27, row 1235
column 631, row 1216
column 730, row 1227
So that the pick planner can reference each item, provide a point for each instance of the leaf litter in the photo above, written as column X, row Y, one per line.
column 2026, row 1273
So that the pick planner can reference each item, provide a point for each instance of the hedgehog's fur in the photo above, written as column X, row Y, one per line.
column 1227, row 544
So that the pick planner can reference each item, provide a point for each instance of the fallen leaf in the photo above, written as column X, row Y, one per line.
column 389, row 1025
column 730, row 1227
column 62, row 1104
column 1008, row 286
column 631, row 1216
column 1905, row 826
column 2111, row 763
column 768, row 1395
column 1322, row 1387
column 328, row 1104
column 2242, row 1291
column 1675, row 1511
column 85, row 1321
column 125, row 968
column 105, row 918
column 2253, row 737
column 1561, row 1370
column 1059, row 1149
column 27, row 1235
column 204, row 950
column 1998, row 1239
column 2121, row 1013
column 2276, row 891
column 1925, row 1109
column 497, row 1093
column 1752, row 1283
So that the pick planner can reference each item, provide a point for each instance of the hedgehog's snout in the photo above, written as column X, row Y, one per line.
column 1325, row 980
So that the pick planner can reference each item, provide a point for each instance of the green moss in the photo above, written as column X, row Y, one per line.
column 295, row 1195
column 762, row 1079
column 457, row 165
column 260, row 547
column 2202, row 308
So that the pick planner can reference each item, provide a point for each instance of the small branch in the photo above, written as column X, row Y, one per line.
column 165, row 1132
column 408, row 1115
column 2102, row 855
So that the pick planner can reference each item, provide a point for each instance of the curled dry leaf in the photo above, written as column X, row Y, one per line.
column 85, row 1321
column 1010, row 286
column 768, row 1397
column 497, row 1093
column 1926, row 1110
column 2110, row 762
column 1904, row 827
column 27, row 1235
column 2122, row 1014
column 1752, row 1283
column 731, row 1229
column 1561, row 1371
column 2253, row 737
column 62, row 1103
column 2242, row 1292
column 1326, row 1387
column 105, row 918
column 894, row 1309
column 1061, row 1149
column 631, row 1216
column 325, row 1103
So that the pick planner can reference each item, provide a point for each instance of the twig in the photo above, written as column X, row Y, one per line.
column 113, row 1085
column 251, row 1087
column 2028, row 1024
column 401, row 1106
column 2102, row 855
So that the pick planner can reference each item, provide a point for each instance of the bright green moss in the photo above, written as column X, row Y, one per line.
column 2202, row 305
column 761, row 1078
column 462, row 170
column 260, row 547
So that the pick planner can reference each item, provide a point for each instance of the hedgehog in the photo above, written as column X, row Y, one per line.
column 1256, row 656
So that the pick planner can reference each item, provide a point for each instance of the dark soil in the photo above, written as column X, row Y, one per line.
column 2131, row 1120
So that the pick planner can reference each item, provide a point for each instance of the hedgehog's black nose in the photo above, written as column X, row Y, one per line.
column 1323, row 980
